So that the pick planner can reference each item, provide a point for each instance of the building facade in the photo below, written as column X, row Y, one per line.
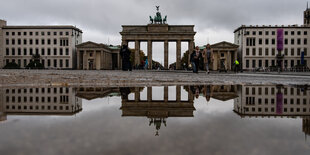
column 55, row 44
column 259, row 45
column 39, row 101
column 94, row 56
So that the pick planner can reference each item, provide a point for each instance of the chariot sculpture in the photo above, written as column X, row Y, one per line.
column 158, row 19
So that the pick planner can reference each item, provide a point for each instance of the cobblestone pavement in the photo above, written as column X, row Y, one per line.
column 141, row 78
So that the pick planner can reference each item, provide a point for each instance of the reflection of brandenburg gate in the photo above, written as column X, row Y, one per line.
column 158, row 108
column 158, row 33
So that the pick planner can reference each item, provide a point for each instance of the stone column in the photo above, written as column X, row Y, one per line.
column 166, row 58
column 78, row 59
column 166, row 94
column 137, row 53
column 178, row 63
column 95, row 57
column 178, row 93
column 137, row 94
column 228, row 60
column 190, row 49
column 149, row 94
column 149, row 54
column 190, row 95
column 101, row 60
column 85, row 60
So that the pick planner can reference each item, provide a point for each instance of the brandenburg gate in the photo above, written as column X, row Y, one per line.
column 158, row 31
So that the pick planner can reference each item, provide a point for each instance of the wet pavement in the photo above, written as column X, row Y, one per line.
column 175, row 119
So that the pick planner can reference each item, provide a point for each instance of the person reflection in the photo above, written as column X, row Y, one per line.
column 207, row 91
column 195, row 90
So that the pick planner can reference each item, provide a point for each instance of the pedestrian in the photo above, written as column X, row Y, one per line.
column 125, row 54
column 194, row 59
column 236, row 63
column 207, row 92
column 207, row 57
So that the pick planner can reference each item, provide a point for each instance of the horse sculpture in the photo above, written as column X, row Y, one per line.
column 165, row 20
column 152, row 20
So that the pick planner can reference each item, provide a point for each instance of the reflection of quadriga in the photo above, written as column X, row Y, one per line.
column 157, row 111
column 38, row 101
column 274, row 101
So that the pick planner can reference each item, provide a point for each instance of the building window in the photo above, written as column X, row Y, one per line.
column 37, row 33
column 260, row 33
column 25, row 62
column 286, row 32
column 60, row 33
column 60, row 51
column 273, row 32
column 292, row 63
column 305, row 41
column 67, row 63
column 247, row 51
column 48, row 41
column 31, row 33
column 260, row 63
column 250, row 41
column 267, row 33
column 286, row 51
column 13, row 51
column 7, row 41
column 292, row 41
column 13, row 41
column 55, row 51
column 42, row 51
column 37, row 41
column 272, row 63
column 48, row 51
column 25, row 41
column 292, row 33
column 298, row 51
column 266, row 63
column 273, row 41
column 266, row 41
column 48, row 62
column 30, row 51
column 19, row 41
column 292, row 52
column 254, row 51
column 260, row 41
column 55, row 33
column 254, row 33
column 60, row 63
column 298, row 41
column 67, row 33
column 298, row 33
column 13, row 33
column 42, row 41
column 305, row 52
column 7, row 33
column 30, row 41
column 247, row 63
column 260, row 51
column 273, row 50
column 55, row 63
column 253, row 63
column 67, row 51
column 7, row 51
column 64, row 42
column 285, row 41
column 19, row 51
column 55, row 41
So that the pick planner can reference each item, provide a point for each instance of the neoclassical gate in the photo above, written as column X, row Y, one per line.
column 158, row 31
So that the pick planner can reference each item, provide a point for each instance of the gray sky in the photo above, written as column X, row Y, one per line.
column 101, row 20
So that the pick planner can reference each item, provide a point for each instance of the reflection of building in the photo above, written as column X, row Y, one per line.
column 55, row 44
column 95, row 56
column 39, row 100
column 156, row 110
column 224, row 92
column 90, row 93
column 274, row 101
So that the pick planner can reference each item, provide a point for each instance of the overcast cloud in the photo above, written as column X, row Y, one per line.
column 101, row 20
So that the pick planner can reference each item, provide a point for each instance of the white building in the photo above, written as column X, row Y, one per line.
column 55, row 44
column 258, row 45
column 39, row 101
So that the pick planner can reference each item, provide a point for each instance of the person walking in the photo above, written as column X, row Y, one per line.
column 125, row 54
column 236, row 63
column 207, row 57
column 194, row 59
